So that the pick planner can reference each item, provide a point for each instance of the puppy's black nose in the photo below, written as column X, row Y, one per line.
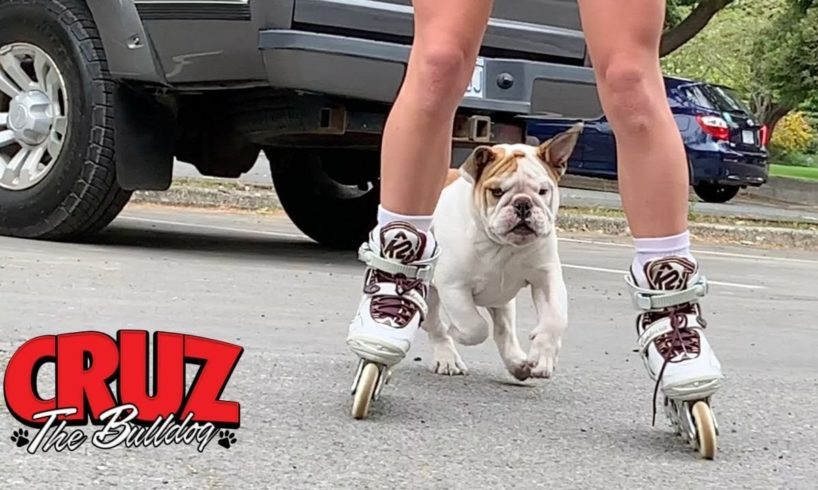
column 523, row 208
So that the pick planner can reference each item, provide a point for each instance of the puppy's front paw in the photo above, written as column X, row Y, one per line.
column 542, row 358
column 447, row 360
column 517, row 364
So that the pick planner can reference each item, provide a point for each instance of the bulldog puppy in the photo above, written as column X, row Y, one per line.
column 496, row 227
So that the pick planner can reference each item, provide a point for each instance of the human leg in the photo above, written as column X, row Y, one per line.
column 401, row 250
column 418, row 134
column 623, row 39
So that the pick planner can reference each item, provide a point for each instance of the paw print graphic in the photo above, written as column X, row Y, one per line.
column 20, row 437
column 226, row 439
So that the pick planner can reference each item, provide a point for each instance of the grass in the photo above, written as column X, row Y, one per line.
column 803, row 173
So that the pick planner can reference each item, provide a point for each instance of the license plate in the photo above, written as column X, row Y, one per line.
column 477, row 86
column 748, row 137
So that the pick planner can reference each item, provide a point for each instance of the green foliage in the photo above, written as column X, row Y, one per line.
column 723, row 52
column 786, row 67
column 795, row 159
column 811, row 107
column 677, row 10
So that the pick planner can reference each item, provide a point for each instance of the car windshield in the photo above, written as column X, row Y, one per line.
column 716, row 98
column 697, row 95
column 729, row 100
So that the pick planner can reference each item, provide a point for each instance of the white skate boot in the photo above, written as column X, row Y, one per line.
column 400, row 262
column 674, row 349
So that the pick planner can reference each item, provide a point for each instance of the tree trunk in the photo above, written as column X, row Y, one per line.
column 768, row 111
column 675, row 37
column 773, row 117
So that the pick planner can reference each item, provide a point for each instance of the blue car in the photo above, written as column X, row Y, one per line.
column 726, row 149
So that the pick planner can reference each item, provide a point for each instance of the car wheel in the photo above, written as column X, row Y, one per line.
column 57, row 170
column 331, row 195
column 716, row 193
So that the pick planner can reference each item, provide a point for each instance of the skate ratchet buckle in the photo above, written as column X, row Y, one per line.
column 649, row 300
column 422, row 270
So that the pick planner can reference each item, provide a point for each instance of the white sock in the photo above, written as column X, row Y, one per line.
column 422, row 223
column 648, row 249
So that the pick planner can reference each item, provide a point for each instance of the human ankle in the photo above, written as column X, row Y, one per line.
column 651, row 249
column 410, row 236
column 385, row 217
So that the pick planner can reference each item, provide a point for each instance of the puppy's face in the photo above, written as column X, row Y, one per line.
column 516, row 191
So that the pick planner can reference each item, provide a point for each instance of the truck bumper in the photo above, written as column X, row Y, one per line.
column 374, row 70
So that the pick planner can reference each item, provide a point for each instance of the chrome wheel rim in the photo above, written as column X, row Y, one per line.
column 33, row 115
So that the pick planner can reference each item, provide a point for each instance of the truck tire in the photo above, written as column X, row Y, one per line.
column 58, row 133
column 331, row 195
column 715, row 193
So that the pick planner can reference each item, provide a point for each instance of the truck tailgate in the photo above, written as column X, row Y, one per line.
column 373, row 70
column 542, row 30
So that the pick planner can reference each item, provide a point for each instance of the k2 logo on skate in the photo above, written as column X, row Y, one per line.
column 670, row 273
column 402, row 243
column 151, row 404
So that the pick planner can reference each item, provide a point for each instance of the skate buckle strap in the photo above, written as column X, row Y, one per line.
column 653, row 300
column 420, row 270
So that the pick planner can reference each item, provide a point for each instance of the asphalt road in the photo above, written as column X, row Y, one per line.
column 739, row 207
column 256, row 282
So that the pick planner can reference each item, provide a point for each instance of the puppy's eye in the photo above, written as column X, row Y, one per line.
column 497, row 192
column 543, row 192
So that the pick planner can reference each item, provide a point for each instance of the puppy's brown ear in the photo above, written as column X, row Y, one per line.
column 556, row 151
column 473, row 167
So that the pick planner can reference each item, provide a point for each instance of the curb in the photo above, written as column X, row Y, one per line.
column 781, row 190
column 761, row 236
column 786, row 190
column 218, row 195
column 259, row 198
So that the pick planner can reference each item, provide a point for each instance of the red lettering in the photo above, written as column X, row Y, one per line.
column 86, row 366
column 217, row 360
column 20, row 381
column 86, row 363
column 168, row 390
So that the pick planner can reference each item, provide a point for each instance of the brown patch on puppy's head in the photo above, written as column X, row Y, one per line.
column 556, row 151
column 480, row 159
column 502, row 166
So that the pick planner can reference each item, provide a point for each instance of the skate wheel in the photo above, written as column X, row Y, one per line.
column 367, row 382
column 705, row 429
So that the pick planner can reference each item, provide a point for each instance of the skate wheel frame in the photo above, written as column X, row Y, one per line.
column 695, row 423
column 369, row 380
column 705, row 429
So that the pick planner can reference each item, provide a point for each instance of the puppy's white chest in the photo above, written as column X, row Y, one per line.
column 497, row 285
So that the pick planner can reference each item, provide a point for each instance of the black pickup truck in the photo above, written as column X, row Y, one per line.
column 97, row 98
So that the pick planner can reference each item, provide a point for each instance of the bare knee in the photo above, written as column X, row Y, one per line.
column 442, row 72
column 631, row 99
